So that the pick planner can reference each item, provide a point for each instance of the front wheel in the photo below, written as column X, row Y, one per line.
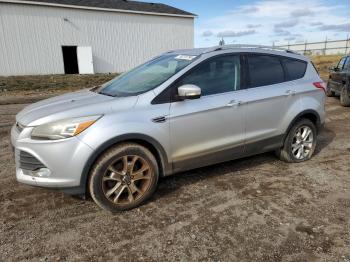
column 124, row 177
column 300, row 142
column 345, row 96
column 329, row 91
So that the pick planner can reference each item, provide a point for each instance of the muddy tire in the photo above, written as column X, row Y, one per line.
column 329, row 92
column 123, row 177
column 300, row 143
column 345, row 96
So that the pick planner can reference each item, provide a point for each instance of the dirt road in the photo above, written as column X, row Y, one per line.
column 255, row 209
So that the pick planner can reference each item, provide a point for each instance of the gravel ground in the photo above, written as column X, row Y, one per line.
column 254, row 209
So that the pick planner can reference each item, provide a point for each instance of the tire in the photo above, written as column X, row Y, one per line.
column 345, row 96
column 123, row 177
column 288, row 152
column 329, row 91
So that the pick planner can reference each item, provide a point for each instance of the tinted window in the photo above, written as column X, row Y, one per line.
column 218, row 75
column 347, row 64
column 295, row 68
column 265, row 70
column 341, row 63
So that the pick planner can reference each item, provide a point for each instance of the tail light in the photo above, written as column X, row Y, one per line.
column 320, row 85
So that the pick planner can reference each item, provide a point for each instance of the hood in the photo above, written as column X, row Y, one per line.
column 77, row 104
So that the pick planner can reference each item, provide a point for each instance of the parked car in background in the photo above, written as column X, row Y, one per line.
column 182, row 110
column 339, row 81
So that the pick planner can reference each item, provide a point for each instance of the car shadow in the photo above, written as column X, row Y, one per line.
column 174, row 182
column 325, row 137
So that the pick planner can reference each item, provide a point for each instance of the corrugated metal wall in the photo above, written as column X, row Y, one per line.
column 31, row 38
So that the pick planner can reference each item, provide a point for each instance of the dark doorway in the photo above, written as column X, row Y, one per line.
column 70, row 59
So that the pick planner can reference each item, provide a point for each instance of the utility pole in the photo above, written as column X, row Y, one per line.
column 325, row 46
column 222, row 42
column 305, row 47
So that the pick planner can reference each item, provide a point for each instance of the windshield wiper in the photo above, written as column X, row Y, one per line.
column 106, row 94
column 95, row 88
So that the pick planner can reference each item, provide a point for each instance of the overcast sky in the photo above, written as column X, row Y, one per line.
column 267, row 21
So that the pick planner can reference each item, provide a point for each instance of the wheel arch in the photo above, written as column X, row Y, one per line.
column 310, row 114
column 150, row 143
column 347, row 83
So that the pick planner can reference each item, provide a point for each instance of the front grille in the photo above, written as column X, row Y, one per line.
column 29, row 162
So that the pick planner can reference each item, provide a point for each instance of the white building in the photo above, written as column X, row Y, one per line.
column 87, row 36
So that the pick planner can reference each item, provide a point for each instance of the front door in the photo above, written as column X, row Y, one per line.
column 336, row 75
column 209, row 129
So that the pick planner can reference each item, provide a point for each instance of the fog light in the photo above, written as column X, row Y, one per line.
column 42, row 172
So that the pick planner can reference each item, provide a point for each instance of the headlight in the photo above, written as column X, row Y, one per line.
column 63, row 128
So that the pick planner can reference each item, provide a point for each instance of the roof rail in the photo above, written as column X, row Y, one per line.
column 224, row 47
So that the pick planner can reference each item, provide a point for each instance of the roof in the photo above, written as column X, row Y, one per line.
column 110, row 5
column 241, row 48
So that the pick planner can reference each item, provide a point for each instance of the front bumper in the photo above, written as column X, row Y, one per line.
column 62, row 161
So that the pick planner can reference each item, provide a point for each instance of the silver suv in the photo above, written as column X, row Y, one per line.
column 182, row 110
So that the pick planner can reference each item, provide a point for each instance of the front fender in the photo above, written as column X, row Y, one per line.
column 117, row 128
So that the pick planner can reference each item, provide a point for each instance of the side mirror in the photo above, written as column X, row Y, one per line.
column 189, row 92
column 334, row 68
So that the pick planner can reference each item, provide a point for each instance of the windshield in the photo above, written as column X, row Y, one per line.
column 147, row 76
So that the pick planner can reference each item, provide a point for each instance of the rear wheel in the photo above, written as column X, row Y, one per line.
column 124, row 177
column 300, row 142
column 345, row 96
column 329, row 91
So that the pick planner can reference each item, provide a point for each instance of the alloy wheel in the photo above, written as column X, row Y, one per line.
column 126, row 179
column 329, row 92
column 302, row 143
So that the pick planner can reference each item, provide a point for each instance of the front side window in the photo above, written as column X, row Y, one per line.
column 295, row 68
column 341, row 63
column 347, row 64
column 215, row 76
column 264, row 70
column 147, row 76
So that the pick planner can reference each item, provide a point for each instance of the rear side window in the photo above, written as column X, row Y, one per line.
column 347, row 63
column 265, row 70
column 295, row 68
column 341, row 63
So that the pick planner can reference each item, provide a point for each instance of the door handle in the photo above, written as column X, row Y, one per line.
column 159, row 119
column 234, row 103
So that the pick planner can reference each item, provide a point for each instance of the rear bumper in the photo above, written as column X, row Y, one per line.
column 61, row 161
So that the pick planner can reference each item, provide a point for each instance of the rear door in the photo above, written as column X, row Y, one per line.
column 346, row 71
column 267, row 100
column 209, row 129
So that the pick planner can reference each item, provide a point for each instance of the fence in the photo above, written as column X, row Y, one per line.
column 320, row 48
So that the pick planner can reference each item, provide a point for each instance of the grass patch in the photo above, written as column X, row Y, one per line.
column 47, row 83
column 322, row 63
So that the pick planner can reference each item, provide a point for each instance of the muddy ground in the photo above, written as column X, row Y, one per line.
column 254, row 209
